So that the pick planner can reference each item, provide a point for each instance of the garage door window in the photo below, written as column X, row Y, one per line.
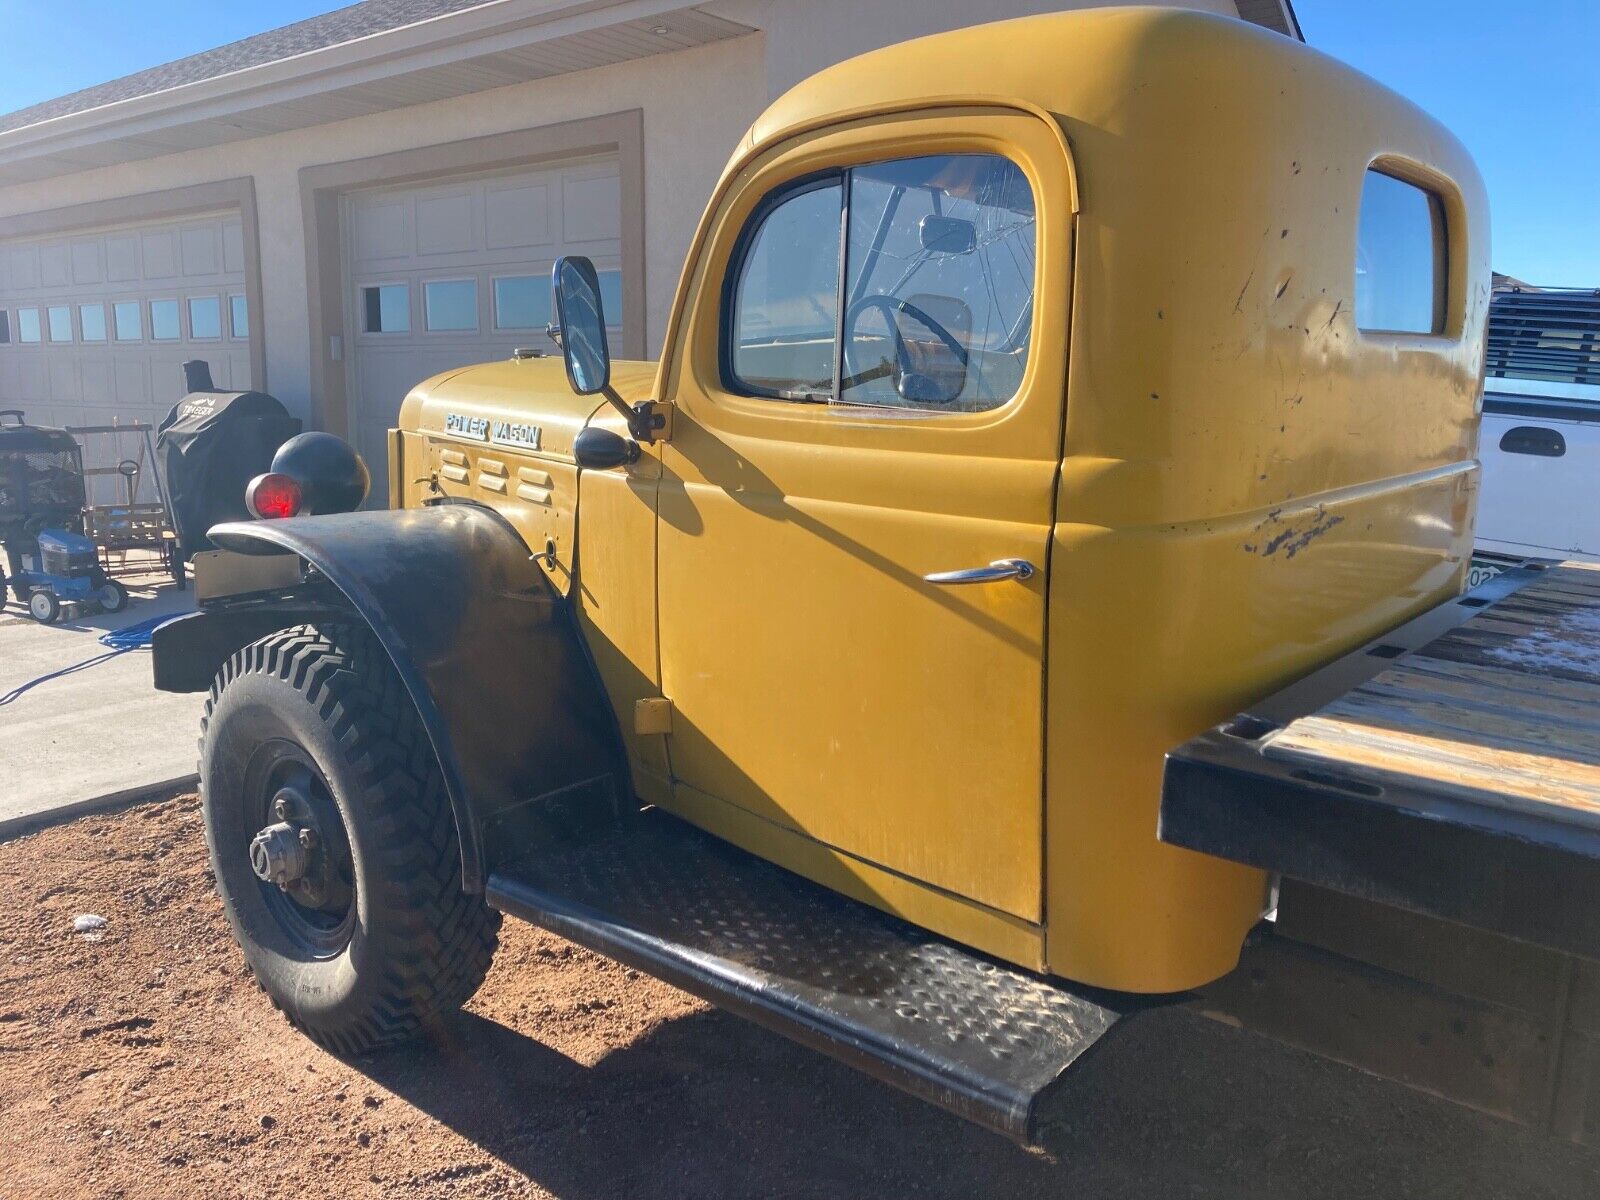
column 164, row 320
column 611, row 296
column 468, row 261
column 130, row 324
column 1400, row 258
column 386, row 308
column 522, row 302
column 239, row 316
column 205, row 318
column 5, row 327
column 92, row 322
column 450, row 305
column 96, row 299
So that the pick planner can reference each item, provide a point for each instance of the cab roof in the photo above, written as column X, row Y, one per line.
column 1218, row 175
column 1115, row 69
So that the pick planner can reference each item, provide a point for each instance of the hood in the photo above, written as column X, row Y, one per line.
column 506, row 402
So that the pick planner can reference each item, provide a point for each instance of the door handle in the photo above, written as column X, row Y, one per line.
column 1001, row 568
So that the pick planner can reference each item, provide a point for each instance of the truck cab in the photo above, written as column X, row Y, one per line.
column 1210, row 372
column 1035, row 396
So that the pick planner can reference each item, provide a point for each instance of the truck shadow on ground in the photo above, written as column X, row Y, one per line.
column 709, row 1105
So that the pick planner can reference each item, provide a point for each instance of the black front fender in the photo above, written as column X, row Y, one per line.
column 487, row 649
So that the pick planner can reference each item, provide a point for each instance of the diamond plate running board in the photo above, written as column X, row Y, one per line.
column 988, row 1042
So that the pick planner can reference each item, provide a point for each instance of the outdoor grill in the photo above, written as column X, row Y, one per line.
column 211, row 445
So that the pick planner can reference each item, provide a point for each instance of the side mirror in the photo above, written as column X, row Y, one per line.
column 600, row 449
column 583, row 325
column 947, row 235
column 581, row 321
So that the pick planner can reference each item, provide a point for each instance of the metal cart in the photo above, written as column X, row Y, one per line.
column 126, row 521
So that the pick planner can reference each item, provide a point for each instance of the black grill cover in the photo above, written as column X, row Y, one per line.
column 210, row 445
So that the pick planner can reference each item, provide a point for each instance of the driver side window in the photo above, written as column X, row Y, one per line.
column 786, row 305
column 935, row 307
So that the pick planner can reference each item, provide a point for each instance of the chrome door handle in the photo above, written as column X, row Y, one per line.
column 1001, row 568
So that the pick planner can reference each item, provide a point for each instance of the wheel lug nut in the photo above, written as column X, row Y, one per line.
column 280, row 808
column 308, row 839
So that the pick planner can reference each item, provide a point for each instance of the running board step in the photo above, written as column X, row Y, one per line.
column 988, row 1042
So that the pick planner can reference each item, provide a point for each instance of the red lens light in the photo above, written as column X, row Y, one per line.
column 272, row 497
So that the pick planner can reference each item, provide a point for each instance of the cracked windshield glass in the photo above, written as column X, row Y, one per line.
column 939, row 281
column 938, row 287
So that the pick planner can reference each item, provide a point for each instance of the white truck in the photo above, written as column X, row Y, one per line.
column 1540, row 441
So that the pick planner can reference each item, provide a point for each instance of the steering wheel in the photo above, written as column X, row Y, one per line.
column 892, row 307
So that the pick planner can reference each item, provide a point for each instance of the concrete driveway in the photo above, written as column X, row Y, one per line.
column 91, row 737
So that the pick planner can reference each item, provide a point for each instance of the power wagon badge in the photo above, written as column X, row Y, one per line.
column 482, row 429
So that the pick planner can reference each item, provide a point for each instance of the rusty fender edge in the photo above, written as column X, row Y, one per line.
column 488, row 651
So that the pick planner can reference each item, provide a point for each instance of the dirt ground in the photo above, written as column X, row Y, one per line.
column 147, row 1064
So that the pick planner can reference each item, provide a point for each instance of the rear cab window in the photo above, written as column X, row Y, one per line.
column 1402, row 266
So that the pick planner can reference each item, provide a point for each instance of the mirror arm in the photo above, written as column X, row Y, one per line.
column 644, row 422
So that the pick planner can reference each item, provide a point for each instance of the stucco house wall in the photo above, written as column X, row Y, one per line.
column 692, row 105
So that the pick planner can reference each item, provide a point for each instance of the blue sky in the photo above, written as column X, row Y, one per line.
column 1518, row 83
column 51, row 47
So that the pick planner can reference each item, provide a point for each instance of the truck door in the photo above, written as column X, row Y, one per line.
column 868, row 393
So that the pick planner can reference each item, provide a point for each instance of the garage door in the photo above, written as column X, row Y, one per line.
column 95, row 326
column 457, row 273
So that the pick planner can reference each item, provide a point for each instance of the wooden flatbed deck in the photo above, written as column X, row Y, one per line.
column 1451, row 767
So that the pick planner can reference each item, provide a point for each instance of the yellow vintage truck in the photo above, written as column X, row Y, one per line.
column 900, row 660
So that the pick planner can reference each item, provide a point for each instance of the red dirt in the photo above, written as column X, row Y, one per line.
column 147, row 1064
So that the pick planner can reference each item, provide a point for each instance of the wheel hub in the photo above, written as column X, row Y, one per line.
column 291, row 854
column 278, row 856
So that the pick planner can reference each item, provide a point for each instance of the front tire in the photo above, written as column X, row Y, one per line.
column 333, row 843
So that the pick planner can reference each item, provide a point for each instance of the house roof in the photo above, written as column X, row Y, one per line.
column 314, row 33
column 366, row 58
column 1276, row 15
column 370, row 57
column 349, row 24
